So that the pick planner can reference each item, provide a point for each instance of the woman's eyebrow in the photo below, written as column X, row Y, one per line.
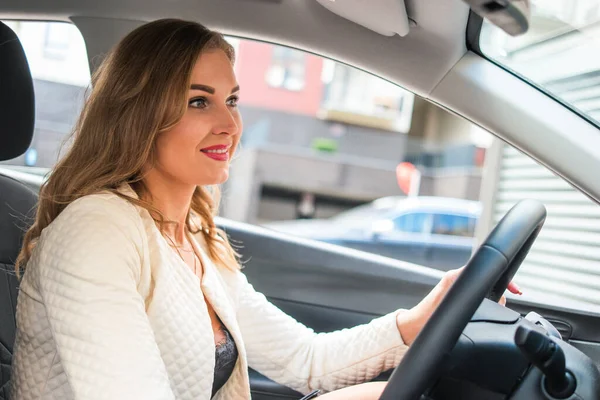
column 209, row 89
column 204, row 88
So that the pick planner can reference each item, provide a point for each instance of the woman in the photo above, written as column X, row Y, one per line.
column 129, row 289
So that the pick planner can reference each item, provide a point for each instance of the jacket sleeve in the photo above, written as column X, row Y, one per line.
column 293, row 355
column 87, row 268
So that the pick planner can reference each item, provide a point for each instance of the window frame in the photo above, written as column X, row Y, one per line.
column 473, row 33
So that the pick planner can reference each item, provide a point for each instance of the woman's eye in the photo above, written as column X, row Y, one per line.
column 199, row 102
column 233, row 101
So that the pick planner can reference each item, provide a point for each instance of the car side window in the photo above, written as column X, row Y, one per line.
column 412, row 222
column 453, row 225
column 58, row 61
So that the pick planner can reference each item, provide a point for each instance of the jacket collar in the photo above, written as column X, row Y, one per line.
column 215, row 292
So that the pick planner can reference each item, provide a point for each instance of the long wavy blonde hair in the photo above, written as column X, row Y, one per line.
column 139, row 91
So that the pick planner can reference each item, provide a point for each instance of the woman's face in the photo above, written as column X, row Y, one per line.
column 198, row 150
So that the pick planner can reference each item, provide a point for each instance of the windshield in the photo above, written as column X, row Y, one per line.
column 560, row 53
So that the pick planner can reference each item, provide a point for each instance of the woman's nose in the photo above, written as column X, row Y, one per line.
column 226, row 124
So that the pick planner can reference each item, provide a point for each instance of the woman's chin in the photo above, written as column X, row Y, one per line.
column 216, row 179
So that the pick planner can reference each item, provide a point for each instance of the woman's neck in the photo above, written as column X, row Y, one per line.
column 173, row 201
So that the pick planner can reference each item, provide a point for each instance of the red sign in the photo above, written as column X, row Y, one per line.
column 405, row 174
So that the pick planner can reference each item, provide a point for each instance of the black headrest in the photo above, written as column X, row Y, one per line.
column 17, row 104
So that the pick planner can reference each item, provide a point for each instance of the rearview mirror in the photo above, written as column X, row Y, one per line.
column 512, row 16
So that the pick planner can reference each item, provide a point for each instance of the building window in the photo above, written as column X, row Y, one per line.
column 354, row 97
column 287, row 70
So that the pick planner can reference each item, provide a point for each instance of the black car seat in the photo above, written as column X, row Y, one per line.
column 17, row 202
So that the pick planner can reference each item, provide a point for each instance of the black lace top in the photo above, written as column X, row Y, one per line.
column 226, row 355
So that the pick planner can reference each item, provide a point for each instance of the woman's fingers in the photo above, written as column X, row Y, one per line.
column 452, row 275
column 514, row 288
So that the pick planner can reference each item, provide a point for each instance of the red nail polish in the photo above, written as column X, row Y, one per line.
column 514, row 288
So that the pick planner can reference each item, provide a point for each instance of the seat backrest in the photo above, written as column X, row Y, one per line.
column 17, row 202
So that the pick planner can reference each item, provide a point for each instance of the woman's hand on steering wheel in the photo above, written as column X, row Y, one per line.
column 410, row 322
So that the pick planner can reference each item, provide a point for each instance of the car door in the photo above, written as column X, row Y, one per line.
column 324, row 286
column 327, row 287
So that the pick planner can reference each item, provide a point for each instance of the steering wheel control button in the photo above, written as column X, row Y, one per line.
column 541, row 350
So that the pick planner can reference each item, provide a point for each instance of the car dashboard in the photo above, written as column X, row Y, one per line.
column 503, row 355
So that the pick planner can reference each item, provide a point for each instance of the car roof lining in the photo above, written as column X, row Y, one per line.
column 427, row 53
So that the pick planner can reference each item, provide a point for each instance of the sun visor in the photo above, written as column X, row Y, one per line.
column 386, row 17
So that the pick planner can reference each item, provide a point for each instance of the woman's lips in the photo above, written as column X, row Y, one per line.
column 218, row 152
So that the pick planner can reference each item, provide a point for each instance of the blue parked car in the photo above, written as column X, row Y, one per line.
column 434, row 231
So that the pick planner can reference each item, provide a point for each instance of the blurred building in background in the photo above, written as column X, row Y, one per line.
column 320, row 130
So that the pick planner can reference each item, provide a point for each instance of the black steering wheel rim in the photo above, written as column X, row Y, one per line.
column 486, row 274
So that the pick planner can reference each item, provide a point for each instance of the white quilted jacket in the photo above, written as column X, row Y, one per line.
column 107, row 310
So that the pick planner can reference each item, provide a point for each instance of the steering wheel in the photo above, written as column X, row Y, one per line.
column 487, row 274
